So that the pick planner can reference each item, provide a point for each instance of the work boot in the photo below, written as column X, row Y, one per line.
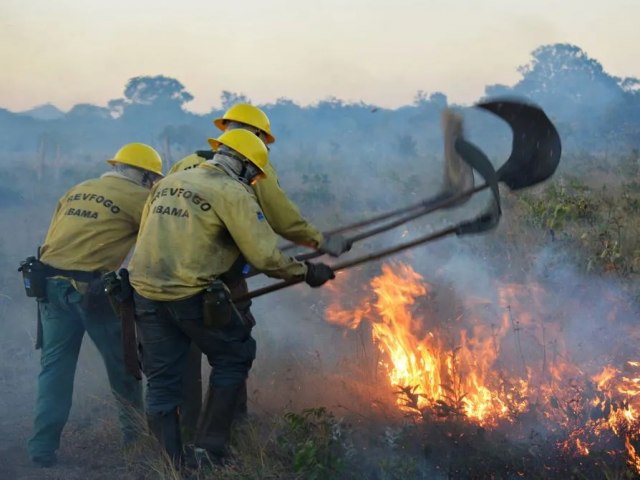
column 166, row 429
column 214, row 424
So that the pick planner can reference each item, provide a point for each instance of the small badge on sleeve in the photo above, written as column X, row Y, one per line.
column 260, row 216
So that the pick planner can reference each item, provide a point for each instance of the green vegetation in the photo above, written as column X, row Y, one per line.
column 596, row 223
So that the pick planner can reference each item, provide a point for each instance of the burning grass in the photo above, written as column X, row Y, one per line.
column 506, row 387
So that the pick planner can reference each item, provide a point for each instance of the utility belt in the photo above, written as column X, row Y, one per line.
column 218, row 311
column 34, row 277
column 77, row 275
column 35, row 274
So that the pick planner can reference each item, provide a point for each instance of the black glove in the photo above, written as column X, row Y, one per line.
column 335, row 245
column 318, row 274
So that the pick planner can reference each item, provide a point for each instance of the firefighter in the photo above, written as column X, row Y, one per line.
column 285, row 219
column 281, row 213
column 93, row 228
column 196, row 226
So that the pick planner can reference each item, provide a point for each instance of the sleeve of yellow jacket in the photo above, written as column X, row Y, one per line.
column 145, row 208
column 282, row 214
column 253, row 235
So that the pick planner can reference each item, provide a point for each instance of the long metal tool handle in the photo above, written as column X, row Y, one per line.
column 427, row 207
column 367, row 222
column 535, row 154
column 473, row 157
column 354, row 262
column 484, row 222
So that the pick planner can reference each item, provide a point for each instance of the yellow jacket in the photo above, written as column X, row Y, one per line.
column 282, row 214
column 194, row 226
column 95, row 224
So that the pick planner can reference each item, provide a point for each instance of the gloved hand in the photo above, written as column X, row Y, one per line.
column 335, row 245
column 318, row 274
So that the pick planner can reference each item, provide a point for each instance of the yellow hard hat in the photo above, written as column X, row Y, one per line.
column 246, row 144
column 248, row 114
column 139, row 155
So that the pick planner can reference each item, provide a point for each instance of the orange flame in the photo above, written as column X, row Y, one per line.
column 431, row 376
column 440, row 374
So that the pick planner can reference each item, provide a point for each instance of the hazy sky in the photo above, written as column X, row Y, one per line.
column 379, row 51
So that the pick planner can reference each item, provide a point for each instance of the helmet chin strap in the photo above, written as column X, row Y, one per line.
column 149, row 179
column 249, row 173
column 144, row 178
column 245, row 171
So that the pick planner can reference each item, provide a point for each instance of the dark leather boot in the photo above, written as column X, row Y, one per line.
column 166, row 429
column 214, row 424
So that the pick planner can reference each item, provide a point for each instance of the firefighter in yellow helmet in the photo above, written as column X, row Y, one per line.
column 284, row 218
column 281, row 213
column 196, row 225
column 93, row 228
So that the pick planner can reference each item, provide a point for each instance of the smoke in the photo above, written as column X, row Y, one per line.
column 340, row 162
column 555, row 312
column 93, row 413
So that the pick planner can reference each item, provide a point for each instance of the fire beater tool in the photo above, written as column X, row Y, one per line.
column 536, row 167
column 458, row 177
column 535, row 154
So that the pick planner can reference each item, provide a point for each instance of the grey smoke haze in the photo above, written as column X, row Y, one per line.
column 339, row 162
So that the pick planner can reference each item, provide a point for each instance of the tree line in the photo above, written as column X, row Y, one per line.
column 594, row 111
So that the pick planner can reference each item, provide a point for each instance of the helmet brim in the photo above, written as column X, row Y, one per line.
column 215, row 144
column 220, row 123
column 115, row 162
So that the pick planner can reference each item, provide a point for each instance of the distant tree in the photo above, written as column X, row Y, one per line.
column 164, row 95
column 88, row 111
column 435, row 99
column 116, row 107
column 562, row 67
column 228, row 99
column 630, row 85
column 150, row 90
column 149, row 104
column 564, row 79
column 285, row 102
column 330, row 103
column 578, row 94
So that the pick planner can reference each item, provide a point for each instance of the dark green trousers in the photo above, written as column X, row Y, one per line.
column 64, row 323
